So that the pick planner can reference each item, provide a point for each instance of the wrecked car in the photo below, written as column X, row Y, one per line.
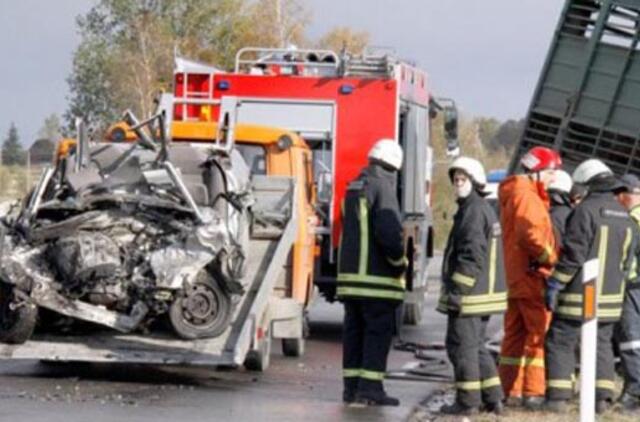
column 135, row 237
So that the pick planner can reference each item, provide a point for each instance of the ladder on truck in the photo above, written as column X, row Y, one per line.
column 258, row 317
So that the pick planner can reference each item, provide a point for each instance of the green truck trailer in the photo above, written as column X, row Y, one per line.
column 587, row 101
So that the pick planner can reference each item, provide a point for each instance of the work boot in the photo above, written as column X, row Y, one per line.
column 350, row 387
column 348, row 396
column 533, row 402
column 602, row 406
column 513, row 401
column 496, row 408
column 376, row 399
column 458, row 409
column 556, row 406
column 630, row 403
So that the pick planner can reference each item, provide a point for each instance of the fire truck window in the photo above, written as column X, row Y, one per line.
column 255, row 156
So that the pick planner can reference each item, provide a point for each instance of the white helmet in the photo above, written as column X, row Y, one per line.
column 589, row 169
column 472, row 167
column 387, row 151
column 562, row 182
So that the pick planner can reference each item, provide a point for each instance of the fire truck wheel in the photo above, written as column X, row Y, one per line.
column 17, row 319
column 293, row 347
column 412, row 313
column 259, row 359
column 202, row 310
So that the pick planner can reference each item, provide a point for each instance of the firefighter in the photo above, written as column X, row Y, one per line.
column 629, row 327
column 577, row 194
column 473, row 289
column 599, row 227
column 559, row 196
column 530, row 253
column 371, row 271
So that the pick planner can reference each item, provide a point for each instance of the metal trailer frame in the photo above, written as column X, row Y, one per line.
column 259, row 316
column 587, row 101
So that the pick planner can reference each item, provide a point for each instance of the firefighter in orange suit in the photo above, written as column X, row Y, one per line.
column 529, row 255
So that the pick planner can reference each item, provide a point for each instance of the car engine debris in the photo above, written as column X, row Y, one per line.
column 127, row 235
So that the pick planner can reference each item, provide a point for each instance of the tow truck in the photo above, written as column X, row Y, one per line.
column 271, row 308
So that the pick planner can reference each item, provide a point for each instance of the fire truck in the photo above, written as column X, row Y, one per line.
column 341, row 105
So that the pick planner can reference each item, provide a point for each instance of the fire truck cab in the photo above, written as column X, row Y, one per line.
column 341, row 106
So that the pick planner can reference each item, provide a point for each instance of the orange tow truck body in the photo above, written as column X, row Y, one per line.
column 275, row 152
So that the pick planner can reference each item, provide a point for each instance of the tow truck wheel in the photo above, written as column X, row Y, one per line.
column 17, row 319
column 293, row 347
column 202, row 310
column 260, row 358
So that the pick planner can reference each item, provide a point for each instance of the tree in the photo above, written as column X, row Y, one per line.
column 487, row 130
column 51, row 128
column 127, row 47
column 126, row 52
column 343, row 37
column 278, row 23
column 508, row 134
column 12, row 151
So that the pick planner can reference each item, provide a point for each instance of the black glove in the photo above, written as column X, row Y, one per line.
column 400, row 268
column 551, row 294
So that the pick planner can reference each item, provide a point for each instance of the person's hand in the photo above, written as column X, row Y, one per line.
column 551, row 294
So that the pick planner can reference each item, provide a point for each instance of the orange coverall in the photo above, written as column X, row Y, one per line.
column 529, row 254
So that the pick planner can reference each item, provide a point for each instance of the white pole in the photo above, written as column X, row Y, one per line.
column 589, row 341
column 28, row 171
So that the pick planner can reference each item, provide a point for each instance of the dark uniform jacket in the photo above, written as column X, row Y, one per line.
column 633, row 281
column 473, row 268
column 560, row 210
column 599, row 227
column 371, row 259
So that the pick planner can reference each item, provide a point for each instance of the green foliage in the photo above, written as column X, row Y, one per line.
column 126, row 54
column 13, row 182
column 344, row 37
column 12, row 150
column 51, row 128
column 508, row 134
column 127, row 47
column 487, row 129
column 496, row 135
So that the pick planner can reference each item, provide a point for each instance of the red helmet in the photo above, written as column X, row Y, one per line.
column 541, row 158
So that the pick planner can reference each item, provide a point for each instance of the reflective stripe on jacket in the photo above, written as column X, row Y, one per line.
column 472, row 268
column 599, row 227
column 371, row 260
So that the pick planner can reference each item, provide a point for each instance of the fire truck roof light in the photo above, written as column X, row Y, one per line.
column 224, row 85
column 346, row 89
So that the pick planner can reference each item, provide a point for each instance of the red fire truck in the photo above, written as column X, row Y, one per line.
column 341, row 106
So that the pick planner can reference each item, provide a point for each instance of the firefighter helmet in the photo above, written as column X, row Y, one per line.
column 541, row 158
column 590, row 169
column 562, row 182
column 388, row 152
column 472, row 167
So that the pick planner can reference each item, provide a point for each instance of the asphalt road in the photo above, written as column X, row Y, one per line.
column 306, row 389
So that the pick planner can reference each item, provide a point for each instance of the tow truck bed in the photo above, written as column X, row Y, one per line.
column 255, row 315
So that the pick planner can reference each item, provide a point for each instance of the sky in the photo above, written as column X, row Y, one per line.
column 485, row 54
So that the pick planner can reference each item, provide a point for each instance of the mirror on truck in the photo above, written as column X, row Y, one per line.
column 449, row 112
column 225, row 138
column 451, row 129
